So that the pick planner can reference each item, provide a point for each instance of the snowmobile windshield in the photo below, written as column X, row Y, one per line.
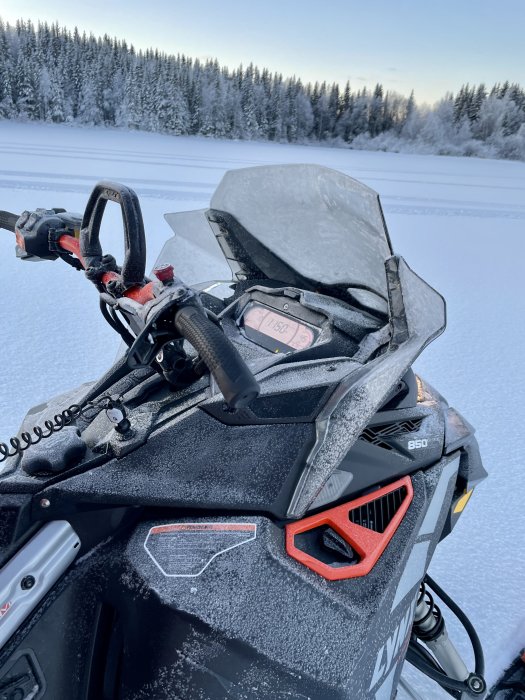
column 193, row 250
column 323, row 225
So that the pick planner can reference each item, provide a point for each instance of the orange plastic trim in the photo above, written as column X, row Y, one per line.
column 368, row 544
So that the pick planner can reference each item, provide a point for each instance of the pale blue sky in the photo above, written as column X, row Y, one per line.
column 429, row 46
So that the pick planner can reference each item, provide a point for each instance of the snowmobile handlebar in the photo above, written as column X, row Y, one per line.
column 235, row 380
column 8, row 221
column 49, row 234
column 46, row 234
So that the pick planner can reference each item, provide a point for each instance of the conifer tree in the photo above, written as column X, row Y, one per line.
column 375, row 112
column 57, row 112
column 48, row 73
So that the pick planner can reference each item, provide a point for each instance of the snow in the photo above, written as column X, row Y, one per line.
column 457, row 221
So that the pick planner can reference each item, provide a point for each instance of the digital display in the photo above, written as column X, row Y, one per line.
column 275, row 331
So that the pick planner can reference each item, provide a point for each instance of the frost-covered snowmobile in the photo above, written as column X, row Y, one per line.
column 246, row 504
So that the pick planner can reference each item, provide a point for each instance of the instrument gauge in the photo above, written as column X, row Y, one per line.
column 276, row 331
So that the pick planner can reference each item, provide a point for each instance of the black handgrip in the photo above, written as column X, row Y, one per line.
column 234, row 378
column 8, row 220
column 134, row 265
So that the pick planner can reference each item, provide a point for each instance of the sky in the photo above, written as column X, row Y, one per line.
column 430, row 47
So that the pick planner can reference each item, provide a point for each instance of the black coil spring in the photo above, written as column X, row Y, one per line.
column 18, row 445
column 433, row 611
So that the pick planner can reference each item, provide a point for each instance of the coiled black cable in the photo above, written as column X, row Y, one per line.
column 19, row 444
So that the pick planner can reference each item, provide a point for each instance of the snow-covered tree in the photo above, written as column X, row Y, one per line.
column 49, row 73
column 90, row 111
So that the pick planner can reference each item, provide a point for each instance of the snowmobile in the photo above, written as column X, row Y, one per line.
column 245, row 505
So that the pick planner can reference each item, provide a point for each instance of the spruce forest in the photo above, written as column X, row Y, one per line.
column 48, row 73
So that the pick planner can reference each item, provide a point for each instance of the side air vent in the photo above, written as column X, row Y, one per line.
column 378, row 514
column 347, row 540
column 379, row 434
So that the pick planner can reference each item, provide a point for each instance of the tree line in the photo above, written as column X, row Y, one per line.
column 48, row 73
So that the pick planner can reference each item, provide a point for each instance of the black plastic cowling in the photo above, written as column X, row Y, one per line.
column 235, row 380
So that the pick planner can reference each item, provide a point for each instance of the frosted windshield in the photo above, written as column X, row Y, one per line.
column 323, row 224
column 193, row 249
column 326, row 226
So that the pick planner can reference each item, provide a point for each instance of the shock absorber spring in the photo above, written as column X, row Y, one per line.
column 429, row 627
column 444, row 664
column 428, row 619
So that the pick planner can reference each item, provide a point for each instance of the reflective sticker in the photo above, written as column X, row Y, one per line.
column 394, row 649
column 460, row 505
column 4, row 608
column 416, row 565
column 186, row 549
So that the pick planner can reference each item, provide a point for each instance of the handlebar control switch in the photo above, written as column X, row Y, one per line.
column 36, row 231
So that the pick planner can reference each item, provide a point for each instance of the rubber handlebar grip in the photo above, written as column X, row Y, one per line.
column 234, row 378
column 8, row 221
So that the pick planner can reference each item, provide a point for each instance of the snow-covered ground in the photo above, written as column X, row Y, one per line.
column 458, row 222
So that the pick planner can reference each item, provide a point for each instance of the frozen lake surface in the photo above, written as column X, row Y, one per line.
column 458, row 222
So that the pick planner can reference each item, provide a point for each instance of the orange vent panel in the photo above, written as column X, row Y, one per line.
column 346, row 541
